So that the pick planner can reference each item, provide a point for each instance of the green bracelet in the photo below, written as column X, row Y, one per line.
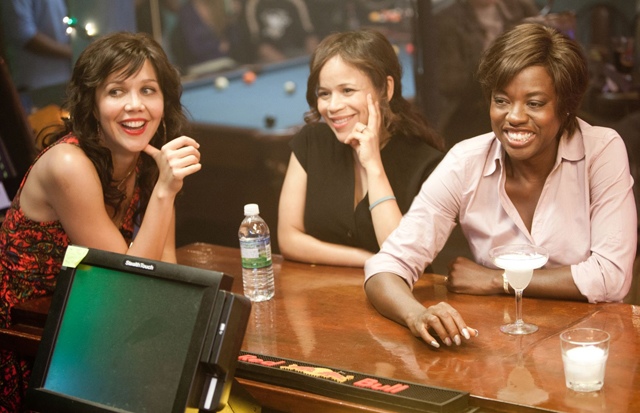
column 381, row 200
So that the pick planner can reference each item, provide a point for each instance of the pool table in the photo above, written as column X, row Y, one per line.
column 243, row 158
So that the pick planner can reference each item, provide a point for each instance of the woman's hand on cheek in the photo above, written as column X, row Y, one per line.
column 365, row 139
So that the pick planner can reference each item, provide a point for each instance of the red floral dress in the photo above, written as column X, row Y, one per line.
column 31, row 255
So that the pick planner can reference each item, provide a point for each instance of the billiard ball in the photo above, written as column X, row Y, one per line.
column 409, row 48
column 269, row 121
column 249, row 77
column 221, row 82
column 289, row 87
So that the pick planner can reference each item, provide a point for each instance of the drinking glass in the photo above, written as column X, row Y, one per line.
column 584, row 357
column 518, row 262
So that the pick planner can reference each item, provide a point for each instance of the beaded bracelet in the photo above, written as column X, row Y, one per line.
column 381, row 200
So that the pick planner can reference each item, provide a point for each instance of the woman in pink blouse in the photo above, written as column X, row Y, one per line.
column 542, row 176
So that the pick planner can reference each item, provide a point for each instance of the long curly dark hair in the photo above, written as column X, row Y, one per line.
column 120, row 52
column 371, row 52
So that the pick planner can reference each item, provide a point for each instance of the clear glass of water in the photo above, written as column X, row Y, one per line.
column 584, row 357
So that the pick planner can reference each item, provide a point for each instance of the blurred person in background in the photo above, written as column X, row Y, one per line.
column 210, row 29
column 280, row 29
column 465, row 29
column 38, row 49
column 144, row 18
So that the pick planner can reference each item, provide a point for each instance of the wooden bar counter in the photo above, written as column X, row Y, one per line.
column 320, row 315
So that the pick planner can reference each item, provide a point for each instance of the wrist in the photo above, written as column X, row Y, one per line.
column 375, row 172
column 381, row 200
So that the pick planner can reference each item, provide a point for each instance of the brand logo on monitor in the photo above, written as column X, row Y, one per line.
column 138, row 264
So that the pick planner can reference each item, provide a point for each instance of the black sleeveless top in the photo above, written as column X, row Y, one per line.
column 329, row 215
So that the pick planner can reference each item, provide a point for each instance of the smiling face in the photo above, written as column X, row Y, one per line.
column 129, row 110
column 524, row 116
column 342, row 96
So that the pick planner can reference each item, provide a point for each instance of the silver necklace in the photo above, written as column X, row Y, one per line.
column 121, row 182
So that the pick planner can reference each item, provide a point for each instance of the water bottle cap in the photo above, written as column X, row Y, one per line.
column 251, row 209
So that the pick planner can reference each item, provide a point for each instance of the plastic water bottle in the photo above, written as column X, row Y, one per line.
column 255, row 249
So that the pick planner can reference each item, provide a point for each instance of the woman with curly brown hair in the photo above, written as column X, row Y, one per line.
column 108, row 180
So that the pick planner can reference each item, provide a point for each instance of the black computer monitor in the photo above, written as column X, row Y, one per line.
column 134, row 335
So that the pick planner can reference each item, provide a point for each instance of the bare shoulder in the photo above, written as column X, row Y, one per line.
column 67, row 158
column 63, row 171
column 68, row 171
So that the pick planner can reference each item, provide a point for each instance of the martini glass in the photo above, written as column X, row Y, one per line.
column 518, row 262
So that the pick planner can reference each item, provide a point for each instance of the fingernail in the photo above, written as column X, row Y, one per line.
column 477, row 332
column 457, row 340
column 465, row 333
column 435, row 344
column 447, row 341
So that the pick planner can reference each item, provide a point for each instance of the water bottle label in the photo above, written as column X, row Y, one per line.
column 256, row 253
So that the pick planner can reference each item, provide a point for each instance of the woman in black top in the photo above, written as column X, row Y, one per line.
column 361, row 158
